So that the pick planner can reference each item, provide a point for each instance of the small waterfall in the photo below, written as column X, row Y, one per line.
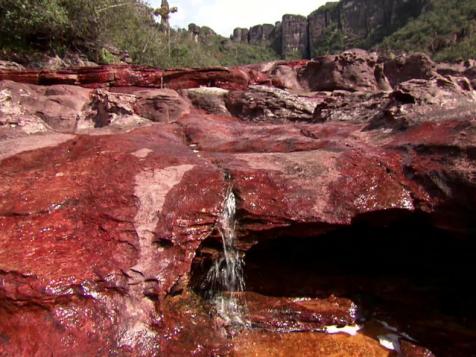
column 225, row 277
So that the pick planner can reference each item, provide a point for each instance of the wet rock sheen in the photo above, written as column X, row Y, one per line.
column 353, row 180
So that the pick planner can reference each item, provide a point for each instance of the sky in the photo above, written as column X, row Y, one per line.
column 225, row 15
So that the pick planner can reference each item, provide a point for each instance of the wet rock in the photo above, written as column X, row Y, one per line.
column 298, row 314
column 409, row 349
column 306, row 345
column 80, row 246
column 103, row 235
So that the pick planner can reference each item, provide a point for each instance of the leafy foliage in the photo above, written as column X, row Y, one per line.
column 97, row 27
column 446, row 30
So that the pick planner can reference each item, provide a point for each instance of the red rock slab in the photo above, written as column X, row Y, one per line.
column 320, row 176
column 209, row 77
column 296, row 314
column 330, row 184
column 213, row 133
column 266, row 344
column 97, row 229
column 138, row 76
column 440, row 157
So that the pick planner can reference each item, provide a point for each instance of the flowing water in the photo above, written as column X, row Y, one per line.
column 225, row 277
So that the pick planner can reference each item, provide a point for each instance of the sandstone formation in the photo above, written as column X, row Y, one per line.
column 354, row 179
column 334, row 26
column 295, row 37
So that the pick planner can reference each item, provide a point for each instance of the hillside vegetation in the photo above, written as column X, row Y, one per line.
column 446, row 30
column 93, row 27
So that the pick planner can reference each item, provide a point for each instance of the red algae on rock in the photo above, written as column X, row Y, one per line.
column 353, row 205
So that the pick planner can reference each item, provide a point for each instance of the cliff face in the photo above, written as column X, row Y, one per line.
column 334, row 26
column 358, row 23
column 295, row 37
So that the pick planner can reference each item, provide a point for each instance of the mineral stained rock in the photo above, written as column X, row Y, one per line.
column 112, row 187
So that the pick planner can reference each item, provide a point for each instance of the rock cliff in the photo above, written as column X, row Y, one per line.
column 337, row 26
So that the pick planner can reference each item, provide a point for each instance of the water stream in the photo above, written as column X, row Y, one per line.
column 225, row 277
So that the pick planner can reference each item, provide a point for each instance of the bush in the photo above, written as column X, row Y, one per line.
column 94, row 26
column 445, row 31
column 32, row 22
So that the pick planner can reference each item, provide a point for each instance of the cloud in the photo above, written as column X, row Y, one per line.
column 225, row 15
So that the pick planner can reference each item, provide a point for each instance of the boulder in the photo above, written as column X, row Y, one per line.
column 211, row 100
column 261, row 103
column 353, row 70
column 34, row 109
column 406, row 67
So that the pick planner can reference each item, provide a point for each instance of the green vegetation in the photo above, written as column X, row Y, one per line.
column 447, row 31
column 332, row 41
column 97, row 27
column 444, row 29
column 327, row 7
column 105, row 29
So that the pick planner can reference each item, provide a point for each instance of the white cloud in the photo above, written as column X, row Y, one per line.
column 225, row 15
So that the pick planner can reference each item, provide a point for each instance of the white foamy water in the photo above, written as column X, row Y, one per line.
column 225, row 277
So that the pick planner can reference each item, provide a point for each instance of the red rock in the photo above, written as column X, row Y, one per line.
column 76, row 238
column 31, row 77
column 101, row 233
column 125, row 75
column 297, row 315
column 259, row 343
column 409, row 349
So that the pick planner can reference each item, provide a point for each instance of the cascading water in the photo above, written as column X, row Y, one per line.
column 225, row 277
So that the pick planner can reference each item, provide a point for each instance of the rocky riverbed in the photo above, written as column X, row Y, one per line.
column 354, row 185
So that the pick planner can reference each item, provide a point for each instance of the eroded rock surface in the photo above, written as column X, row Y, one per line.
column 112, row 191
